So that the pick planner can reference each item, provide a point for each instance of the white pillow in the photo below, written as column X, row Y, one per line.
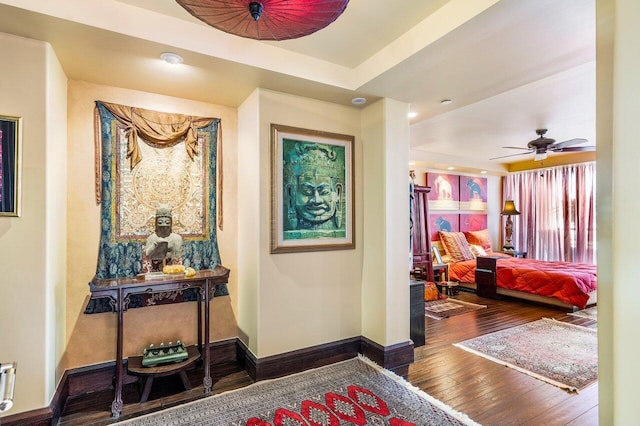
column 477, row 250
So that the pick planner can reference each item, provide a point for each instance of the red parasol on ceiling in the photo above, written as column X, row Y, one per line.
column 266, row 19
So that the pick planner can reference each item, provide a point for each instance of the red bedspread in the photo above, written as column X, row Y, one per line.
column 465, row 271
column 565, row 281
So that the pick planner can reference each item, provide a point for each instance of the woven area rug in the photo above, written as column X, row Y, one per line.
column 445, row 308
column 352, row 392
column 559, row 353
column 591, row 313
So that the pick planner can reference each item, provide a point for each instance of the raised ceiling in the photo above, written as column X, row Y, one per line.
column 510, row 66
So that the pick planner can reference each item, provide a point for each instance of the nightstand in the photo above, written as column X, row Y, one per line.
column 448, row 288
column 440, row 272
column 515, row 253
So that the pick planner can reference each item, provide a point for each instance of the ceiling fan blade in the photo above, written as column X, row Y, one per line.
column 574, row 149
column 567, row 143
column 518, row 147
column 512, row 155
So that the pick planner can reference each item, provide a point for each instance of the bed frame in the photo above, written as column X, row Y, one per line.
column 486, row 286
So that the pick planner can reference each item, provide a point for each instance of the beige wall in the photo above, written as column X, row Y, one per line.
column 385, row 281
column 91, row 338
column 56, row 207
column 249, row 219
column 618, row 152
column 291, row 301
column 32, row 246
column 300, row 299
column 373, row 262
column 604, row 127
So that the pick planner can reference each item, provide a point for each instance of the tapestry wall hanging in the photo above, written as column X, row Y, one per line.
column 149, row 161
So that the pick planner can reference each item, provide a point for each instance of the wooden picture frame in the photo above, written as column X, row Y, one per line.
column 436, row 256
column 312, row 190
column 10, row 165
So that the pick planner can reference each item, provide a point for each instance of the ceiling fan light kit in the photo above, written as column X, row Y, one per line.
column 542, row 145
column 540, row 156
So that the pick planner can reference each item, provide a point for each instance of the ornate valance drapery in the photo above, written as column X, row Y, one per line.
column 159, row 128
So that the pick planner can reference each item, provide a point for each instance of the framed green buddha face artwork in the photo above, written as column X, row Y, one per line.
column 10, row 171
column 312, row 190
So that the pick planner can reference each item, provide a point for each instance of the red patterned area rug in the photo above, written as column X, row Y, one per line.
column 563, row 354
column 445, row 308
column 352, row 392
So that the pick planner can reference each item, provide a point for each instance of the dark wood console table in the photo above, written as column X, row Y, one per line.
column 119, row 291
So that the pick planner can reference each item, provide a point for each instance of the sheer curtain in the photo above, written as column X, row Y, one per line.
column 557, row 212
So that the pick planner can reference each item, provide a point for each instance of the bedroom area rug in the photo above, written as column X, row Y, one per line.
column 352, row 392
column 445, row 308
column 559, row 353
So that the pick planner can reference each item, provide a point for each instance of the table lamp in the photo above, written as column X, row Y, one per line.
column 508, row 211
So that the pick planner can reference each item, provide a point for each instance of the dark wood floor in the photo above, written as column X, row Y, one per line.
column 488, row 393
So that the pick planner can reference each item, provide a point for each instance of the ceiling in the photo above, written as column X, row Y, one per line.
column 510, row 66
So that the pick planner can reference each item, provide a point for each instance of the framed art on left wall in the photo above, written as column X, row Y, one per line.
column 10, row 170
column 312, row 190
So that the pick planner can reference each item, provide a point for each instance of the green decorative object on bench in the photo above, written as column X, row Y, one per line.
column 155, row 355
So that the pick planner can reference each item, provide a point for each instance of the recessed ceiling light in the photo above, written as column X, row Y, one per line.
column 483, row 172
column 450, row 168
column 359, row 101
column 413, row 114
column 445, row 101
column 171, row 58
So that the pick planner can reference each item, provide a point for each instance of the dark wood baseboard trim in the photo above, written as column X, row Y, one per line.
column 91, row 378
column 59, row 397
column 39, row 417
column 396, row 357
column 100, row 376
column 299, row 360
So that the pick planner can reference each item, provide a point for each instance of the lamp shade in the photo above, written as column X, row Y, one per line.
column 509, row 208
column 266, row 19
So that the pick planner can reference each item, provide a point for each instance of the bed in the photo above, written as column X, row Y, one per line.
column 564, row 284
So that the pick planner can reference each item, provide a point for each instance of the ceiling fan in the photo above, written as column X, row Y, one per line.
column 541, row 145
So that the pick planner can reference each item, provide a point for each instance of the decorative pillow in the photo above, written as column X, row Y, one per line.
column 430, row 292
column 479, row 238
column 456, row 246
column 477, row 250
